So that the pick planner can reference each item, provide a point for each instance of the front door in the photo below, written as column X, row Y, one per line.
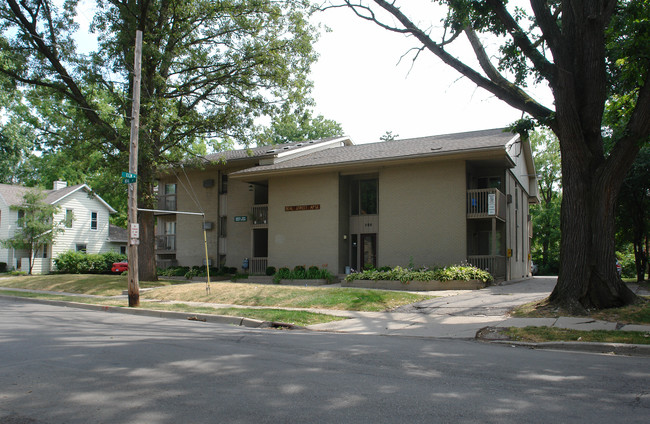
column 368, row 250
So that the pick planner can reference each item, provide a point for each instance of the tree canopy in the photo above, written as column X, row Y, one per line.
column 209, row 70
column 595, row 58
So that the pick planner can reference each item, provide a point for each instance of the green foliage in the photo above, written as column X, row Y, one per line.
column 174, row 271
column 298, row 125
column 456, row 272
column 270, row 270
column 628, row 263
column 72, row 262
column 36, row 228
column 300, row 273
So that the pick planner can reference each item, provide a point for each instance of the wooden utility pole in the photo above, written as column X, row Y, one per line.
column 134, row 229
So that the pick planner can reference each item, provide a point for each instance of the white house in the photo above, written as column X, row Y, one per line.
column 86, row 229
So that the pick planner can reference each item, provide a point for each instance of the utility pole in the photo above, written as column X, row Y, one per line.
column 134, row 229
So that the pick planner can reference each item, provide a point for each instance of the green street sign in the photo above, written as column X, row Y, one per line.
column 129, row 175
column 129, row 180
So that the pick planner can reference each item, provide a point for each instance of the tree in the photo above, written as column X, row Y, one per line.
column 633, row 211
column 571, row 46
column 35, row 227
column 210, row 69
column 298, row 125
column 388, row 136
column 546, row 214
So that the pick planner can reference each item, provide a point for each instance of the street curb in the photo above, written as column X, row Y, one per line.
column 218, row 319
column 606, row 348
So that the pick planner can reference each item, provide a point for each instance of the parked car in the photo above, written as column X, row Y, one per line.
column 120, row 267
column 619, row 268
column 533, row 268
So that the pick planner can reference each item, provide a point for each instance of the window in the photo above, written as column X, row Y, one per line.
column 223, row 189
column 363, row 197
column 21, row 218
column 123, row 250
column 489, row 182
column 223, row 222
column 81, row 247
column 93, row 220
column 44, row 253
column 69, row 216
column 170, row 197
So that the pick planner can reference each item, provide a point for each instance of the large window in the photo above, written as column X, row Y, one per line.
column 363, row 197
column 21, row 218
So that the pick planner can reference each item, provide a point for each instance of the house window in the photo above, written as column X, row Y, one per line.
column 44, row 255
column 363, row 200
column 81, row 247
column 93, row 220
column 69, row 216
column 223, row 188
column 170, row 197
column 489, row 182
column 21, row 218
column 123, row 250
column 223, row 220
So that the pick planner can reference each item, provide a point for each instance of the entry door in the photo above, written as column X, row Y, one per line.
column 368, row 250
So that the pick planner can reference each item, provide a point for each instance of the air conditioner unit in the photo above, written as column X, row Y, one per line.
column 207, row 225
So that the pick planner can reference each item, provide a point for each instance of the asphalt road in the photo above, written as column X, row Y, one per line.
column 66, row 365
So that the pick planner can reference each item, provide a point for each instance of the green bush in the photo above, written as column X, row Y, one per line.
column 628, row 264
column 299, row 273
column 72, row 262
column 270, row 270
column 463, row 273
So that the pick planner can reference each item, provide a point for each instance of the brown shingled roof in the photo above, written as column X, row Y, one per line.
column 396, row 149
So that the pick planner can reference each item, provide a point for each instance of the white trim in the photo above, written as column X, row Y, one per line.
column 89, row 190
column 96, row 220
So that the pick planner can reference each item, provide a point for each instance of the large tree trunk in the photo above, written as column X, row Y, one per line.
column 147, row 270
column 588, row 277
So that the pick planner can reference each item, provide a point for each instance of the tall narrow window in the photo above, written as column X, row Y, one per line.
column 93, row 220
column 223, row 188
column 69, row 216
column 21, row 218
column 363, row 197
column 170, row 197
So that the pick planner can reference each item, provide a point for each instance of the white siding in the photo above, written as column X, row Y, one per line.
column 8, row 220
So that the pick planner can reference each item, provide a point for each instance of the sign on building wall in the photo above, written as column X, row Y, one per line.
column 492, row 203
column 301, row 208
column 241, row 218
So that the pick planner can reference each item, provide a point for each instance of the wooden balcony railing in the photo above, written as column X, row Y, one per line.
column 495, row 265
column 260, row 215
column 258, row 266
column 486, row 203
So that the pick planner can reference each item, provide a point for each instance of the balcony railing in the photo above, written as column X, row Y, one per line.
column 167, row 202
column 258, row 266
column 166, row 243
column 495, row 265
column 486, row 203
column 260, row 215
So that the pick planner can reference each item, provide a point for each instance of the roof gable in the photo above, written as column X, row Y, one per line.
column 13, row 194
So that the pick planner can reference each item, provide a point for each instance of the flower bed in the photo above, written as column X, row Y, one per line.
column 398, row 278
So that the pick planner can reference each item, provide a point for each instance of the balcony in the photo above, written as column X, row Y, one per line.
column 166, row 243
column 494, row 264
column 260, row 216
column 166, row 203
column 486, row 203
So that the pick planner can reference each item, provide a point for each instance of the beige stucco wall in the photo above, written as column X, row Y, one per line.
column 307, row 237
column 422, row 214
column 238, row 234
column 190, row 247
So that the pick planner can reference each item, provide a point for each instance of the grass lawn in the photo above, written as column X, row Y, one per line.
column 301, row 318
column 96, row 284
column 287, row 296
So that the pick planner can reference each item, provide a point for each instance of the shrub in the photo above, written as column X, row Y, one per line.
column 3, row 267
column 299, row 273
column 175, row 271
column 270, row 270
column 72, row 262
column 463, row 273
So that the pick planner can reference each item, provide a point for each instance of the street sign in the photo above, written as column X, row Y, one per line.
column 129, row 180
column 128, row 175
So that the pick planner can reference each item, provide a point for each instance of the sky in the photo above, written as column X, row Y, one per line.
column 360, row 82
